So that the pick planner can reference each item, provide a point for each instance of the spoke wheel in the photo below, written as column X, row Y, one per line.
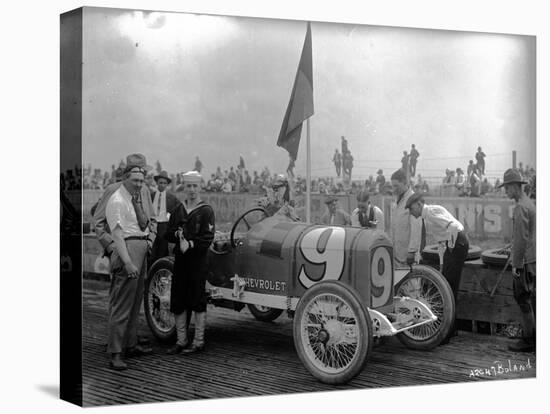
column 431, row 288
column 156, row 301
column 264, row 313
column 332, row 332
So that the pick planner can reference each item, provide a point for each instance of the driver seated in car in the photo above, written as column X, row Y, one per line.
column 278, row 201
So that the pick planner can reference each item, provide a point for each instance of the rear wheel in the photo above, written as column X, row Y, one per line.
column 156, row 301
column 263, row 313
column 332, row 332
column 431, row 288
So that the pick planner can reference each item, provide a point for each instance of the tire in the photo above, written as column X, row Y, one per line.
column 430, row 287
column 496, row 257
column 263, row 313
column 156, row 300
column 430, row 253
column 332, row 332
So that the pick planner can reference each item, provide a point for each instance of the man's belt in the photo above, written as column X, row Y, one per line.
column 136, row 238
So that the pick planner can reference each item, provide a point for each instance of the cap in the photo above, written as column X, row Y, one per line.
column 192, row 177
column 413, row 199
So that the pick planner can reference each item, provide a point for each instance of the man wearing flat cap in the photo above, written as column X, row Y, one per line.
column 523, row 257
column 335, row 216
column 102, row 230
column 101, row 227
column 164, row 204
column 132, row 230
column 191, row 228
column 449, row 234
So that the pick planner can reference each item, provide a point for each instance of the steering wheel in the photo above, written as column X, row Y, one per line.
column 243, row 218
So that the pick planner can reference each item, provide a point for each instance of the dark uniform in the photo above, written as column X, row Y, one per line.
column 190, row 268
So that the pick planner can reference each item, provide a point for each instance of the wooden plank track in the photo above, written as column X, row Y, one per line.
column 245, row 357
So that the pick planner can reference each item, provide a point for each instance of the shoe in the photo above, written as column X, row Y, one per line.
column 193, row 349
column 177, row 349
column 522, row 345
column 138, row 350
column 117, row 363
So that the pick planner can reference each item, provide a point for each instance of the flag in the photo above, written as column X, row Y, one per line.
column 300, row 106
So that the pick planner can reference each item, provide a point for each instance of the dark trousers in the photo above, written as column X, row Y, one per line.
column 125, row 297
column 525, row 293
column 453, row 262
column 413, row 167
column 160, row 246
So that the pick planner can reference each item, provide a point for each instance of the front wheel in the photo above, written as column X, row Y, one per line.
column 332, row 332
column 431, row 288
column 264, row 313
column 156, row 300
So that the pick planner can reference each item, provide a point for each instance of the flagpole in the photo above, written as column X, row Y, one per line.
column 308, row 176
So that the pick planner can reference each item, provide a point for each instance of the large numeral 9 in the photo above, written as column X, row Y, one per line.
column 380, row 278
column 323, row 246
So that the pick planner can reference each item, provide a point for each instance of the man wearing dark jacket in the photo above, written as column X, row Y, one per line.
column 164, row 205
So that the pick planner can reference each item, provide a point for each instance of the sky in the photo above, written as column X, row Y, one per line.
column 174, row 86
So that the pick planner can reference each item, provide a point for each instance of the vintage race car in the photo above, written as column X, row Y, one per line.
column 338, row 283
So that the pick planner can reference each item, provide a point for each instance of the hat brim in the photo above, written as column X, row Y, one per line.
column 512, row 182
column 157, row 177
column 146, row 168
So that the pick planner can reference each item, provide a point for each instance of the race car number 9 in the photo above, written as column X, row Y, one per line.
column 381, row 280
column 323, row 246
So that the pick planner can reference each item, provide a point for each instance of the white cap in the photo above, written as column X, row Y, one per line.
column 192, row 177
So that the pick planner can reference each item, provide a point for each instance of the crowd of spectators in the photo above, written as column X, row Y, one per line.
column 238, row 179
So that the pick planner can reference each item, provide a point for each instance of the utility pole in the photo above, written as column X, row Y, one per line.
column 514, row 159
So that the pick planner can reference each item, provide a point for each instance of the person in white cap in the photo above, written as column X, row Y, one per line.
column 191, row 227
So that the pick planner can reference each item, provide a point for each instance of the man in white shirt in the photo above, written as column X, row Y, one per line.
column 449, row 233
column 130, row 228
column 366, row 214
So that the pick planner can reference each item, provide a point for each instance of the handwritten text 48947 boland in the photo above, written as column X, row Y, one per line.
column 499, row 368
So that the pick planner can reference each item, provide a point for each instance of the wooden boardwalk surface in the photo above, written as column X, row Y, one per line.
column 245, row 357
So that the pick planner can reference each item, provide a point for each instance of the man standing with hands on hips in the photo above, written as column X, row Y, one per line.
column 524, row 258
column 133, row 233
column 449, row 233
column 191, row 228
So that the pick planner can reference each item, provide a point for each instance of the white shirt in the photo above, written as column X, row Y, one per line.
column 160, row 214
column 120, row 212
column 439, row 222
column 378, row 216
